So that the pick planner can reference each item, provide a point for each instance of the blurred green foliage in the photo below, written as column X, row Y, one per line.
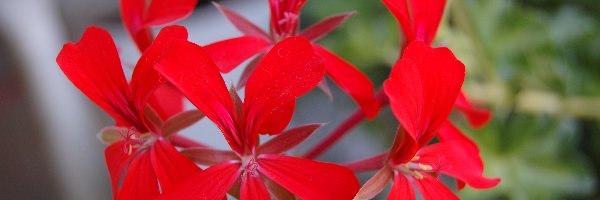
column 551, row 46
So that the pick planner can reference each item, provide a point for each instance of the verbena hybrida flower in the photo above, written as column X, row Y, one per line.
column 419, row 21
column 140, row 153
column 289, row 70
column 422, row 88
column 228, row 54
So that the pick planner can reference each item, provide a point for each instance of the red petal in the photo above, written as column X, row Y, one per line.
column 140, row 181
column 449, row 132
column 351, row 80
column 419, row 19
column 323, row 27
column 458, row 159
column 161, row 12
column 132, row 12
column 289, row 70
column 309, row 179
column 170, row 166
column 253, row 188
column 477, row 117
column 211, row 184
column 433, row 189
column 423, row 87
column 191, row 70
column 404, row 148
column 401, row 189
column 230, row 53
column 167, row 101
column 116, row 161
column 368, row 164
column 209, row 156
column 145, row 79
column 94, row 67
column 288, row 139
column 241, row 23
column 375, row 184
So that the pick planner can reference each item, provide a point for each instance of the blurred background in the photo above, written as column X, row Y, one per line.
column 535, row 63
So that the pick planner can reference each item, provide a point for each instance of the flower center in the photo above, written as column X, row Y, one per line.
column 136, row 140
column 249, row 166
column 413, row 168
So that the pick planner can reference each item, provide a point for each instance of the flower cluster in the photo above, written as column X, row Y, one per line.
column 148, row 159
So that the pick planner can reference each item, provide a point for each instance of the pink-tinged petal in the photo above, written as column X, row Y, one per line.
column 94, row 67
column 433, row 189
column 324, row 27
column 230, row 53
column 140, row 181
column 423, row 87
column 166, row 100
column 449, row 132
column 253, row 188
column 209, row 156
column 401, row 189
column 458, row 159
column 309, row 179
column 375, row 184
column 404, row 148
column 351, row 80
column 241, row 23
column 161, row 12
column 145, row 79
column 117, row 159
column 419, row 19
column 289, row 70
column 180, row 121
column 367, row 164
column 170, row 166
column 192, row 71
column 210, row 184
column 288, row 139
column 477, row 117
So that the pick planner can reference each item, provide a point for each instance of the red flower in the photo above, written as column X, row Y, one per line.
column 140, row 15
column 93, row 65
column 230, row 53
column 289, row 70
column 419, row 20
column 422, row 89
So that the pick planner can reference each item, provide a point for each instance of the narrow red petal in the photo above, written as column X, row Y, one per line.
column 433, row 189
column 449, row 132
column 253, row 188
column 248, row 71
column 145, row 79
column 132, row 12
column 401, row 189
column 140, row 181
column 288, row 139
column 241, row 23
column 94, row 67
column 477, row 117
column 161, row 12
column 423, row 87
column 289, row 70
column 116, row 161
column 191, row 70
column 351, row 80
column 458, row 159
column 419, row 19
column 170, row 166
column 180, row 122
column 230, row 53
column 325, row 26
column 309, row 179
column 404, row 148
column 368, row 164
column 209, row 156
column 211, row 184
